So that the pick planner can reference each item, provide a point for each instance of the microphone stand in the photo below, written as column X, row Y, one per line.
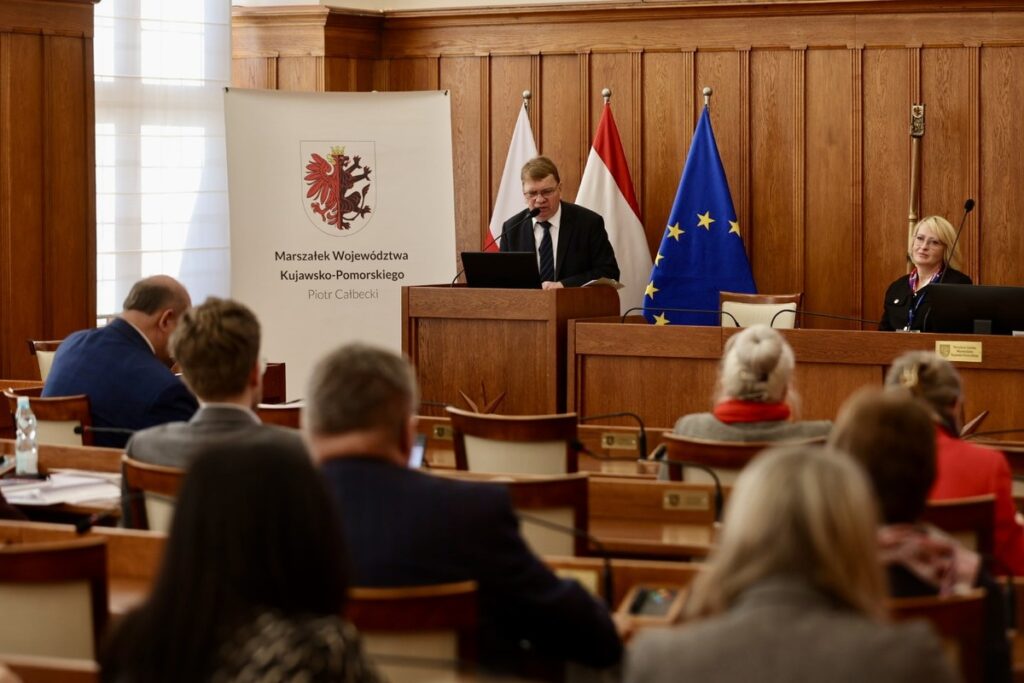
column 641, row 437
column 659, row 456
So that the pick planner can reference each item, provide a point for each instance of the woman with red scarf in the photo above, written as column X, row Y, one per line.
column 755, row 395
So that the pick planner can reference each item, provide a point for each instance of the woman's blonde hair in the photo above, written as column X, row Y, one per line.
column 930, row 378
column 945, row 233
column 802, row 511
column 757, row 366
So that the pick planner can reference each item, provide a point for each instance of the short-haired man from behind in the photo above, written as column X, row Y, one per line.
column 217, row 345
column 410, row 528
column 124, row 367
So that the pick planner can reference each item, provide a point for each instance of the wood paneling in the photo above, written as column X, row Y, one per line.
column 811, row 112
column 47, row 177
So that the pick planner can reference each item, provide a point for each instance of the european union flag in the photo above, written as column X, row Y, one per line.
column 702, row 252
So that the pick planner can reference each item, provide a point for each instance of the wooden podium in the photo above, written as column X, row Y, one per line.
column 502, row 349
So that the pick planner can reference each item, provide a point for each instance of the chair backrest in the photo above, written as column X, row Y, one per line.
column 53, row 598
column 521, row 444
column 417, row 633
column 759, row 309
column 44, row 351
column 150, row 493
column 726, row 458
column 969, row 520
column 959, row 622
column 57, row 417
column 280, row 414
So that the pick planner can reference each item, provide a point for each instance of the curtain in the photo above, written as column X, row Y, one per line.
column 161, row 174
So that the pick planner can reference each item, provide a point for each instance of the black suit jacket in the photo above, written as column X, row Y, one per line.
column 583, row 252
column 899, row 299
column 404, row 527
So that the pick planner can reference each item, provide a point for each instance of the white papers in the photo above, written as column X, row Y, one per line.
column 66, row 487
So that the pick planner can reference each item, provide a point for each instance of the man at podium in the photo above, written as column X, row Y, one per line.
column 570, row 241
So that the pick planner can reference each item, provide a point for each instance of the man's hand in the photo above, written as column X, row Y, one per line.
column 551, row 285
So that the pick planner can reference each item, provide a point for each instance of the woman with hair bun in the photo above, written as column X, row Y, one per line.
column 964, row 469
column 755, row 400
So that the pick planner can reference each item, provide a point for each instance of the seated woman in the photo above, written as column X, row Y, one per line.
column 253, row 581
column 754, row 394
column 931, row 252
column 963, row 469
column 893, row 438
column 793, row 591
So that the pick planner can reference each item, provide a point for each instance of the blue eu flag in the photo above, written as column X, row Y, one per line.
column 701, row 253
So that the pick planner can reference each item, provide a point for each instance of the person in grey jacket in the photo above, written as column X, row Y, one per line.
column 793, row 592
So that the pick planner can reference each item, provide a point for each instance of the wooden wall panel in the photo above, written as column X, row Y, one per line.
column 47, row 176
column 811, row 113
column 1002, row 167
column 254, row 72
column 948, row 140
column 348, row 74
column 776, row 144
column 830, row 236
column 668, row 99
column 300, row 74
column 886, row 141
column 461, row 77
column 563, row 104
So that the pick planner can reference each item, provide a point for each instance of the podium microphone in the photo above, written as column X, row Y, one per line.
column 532, row 213
column 814, row 314
column 683, row 310
column 968, row 207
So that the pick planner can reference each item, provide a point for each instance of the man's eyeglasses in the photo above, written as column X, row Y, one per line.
column 545, row 193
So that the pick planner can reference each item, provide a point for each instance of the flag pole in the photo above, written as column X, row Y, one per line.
column 527, row 95
column 606, row 93
column 707, row 96
column 916, row 133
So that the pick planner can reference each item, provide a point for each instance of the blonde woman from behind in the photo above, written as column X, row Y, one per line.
column 794, row 591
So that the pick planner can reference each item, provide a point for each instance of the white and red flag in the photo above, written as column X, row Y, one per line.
column 607, row 189
column 510, row 200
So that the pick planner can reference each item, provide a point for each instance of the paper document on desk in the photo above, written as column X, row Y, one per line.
column 607, row 281
column 63, row 488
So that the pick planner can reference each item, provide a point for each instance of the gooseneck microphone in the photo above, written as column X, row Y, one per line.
column 815, row 314
column 120, row 431
column 641, row 436
column 532, row 213
column 658, row 455
column 683, row 310
column 968, row 207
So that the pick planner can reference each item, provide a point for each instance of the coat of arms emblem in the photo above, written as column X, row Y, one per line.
column 338, row 189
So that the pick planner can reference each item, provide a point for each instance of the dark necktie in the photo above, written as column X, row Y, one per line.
column 547, row 254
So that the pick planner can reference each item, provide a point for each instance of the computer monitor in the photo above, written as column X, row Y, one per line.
column 501, row 269
column 974, row 309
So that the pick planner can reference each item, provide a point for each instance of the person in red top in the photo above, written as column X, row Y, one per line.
column 964, row 469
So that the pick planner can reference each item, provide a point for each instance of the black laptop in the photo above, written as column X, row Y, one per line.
column 501, row 269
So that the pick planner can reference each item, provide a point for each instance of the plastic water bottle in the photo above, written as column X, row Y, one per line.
column 26, row 450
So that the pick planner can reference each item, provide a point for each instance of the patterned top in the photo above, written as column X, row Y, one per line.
column 273, row 647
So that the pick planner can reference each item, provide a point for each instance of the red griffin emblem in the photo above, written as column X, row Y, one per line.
column 329, row 181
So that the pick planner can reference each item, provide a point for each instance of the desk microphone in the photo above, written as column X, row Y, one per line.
column 681, row 310
column 641, row 437
column 968, row 207
column 608, row 583
column 815, row 314
column 532, row 213
column 658, row 455
column 121, row 431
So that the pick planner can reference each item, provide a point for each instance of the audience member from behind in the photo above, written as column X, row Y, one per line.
column 963, row 469
column 410, row 528
column 253, row 581
column 893, row 438
column 793, row 592
column 755, row 394
column 124, row 367
column 217, row 345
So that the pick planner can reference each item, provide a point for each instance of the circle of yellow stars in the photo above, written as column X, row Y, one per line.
column 704, row 220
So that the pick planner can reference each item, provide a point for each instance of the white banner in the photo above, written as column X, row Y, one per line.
column 337, row 201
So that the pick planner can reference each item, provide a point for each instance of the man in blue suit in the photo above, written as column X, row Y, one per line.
column 570, row 241
column 405, row 527
column 124, row 367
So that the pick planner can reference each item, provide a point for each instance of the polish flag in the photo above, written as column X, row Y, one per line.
column 607, row 189
column 510, row 192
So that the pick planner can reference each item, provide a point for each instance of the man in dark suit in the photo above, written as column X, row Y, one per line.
column 570, row 241
column 405, row 527
column 124, row 368
column 217, row 346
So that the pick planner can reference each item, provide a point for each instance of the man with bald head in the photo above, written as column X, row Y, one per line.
column 124, row 368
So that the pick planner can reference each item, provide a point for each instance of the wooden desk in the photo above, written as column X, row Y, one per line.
column 133, row 557
column 91, row 458
column 625, row 573
column 664, row 372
